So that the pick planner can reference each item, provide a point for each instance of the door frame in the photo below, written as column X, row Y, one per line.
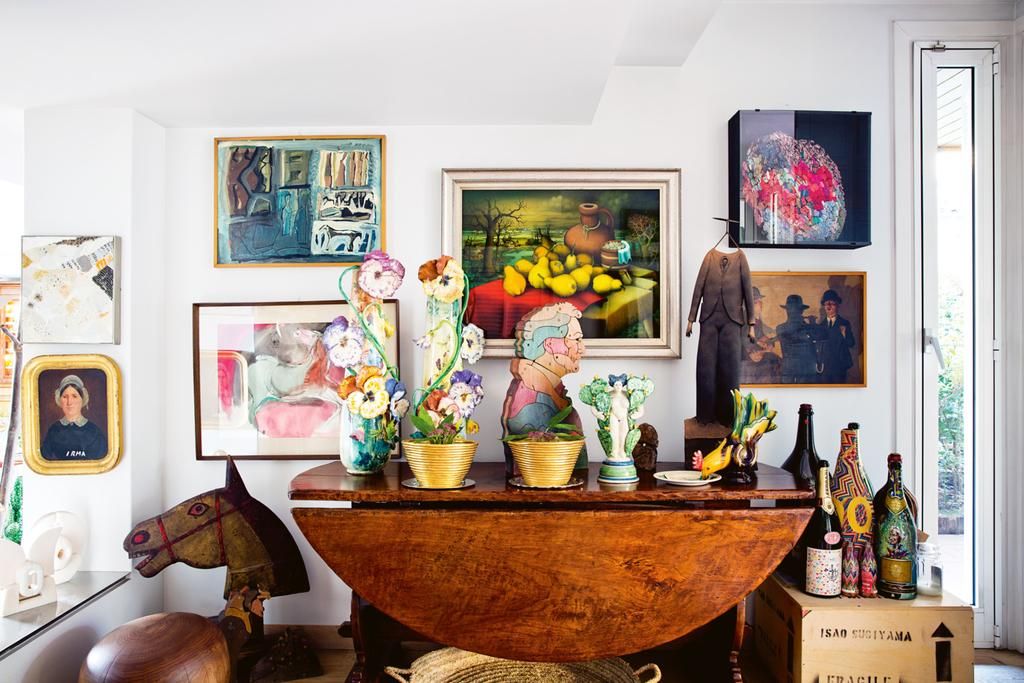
column 907, row 337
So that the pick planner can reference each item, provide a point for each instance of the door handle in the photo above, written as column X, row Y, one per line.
column 930, row 340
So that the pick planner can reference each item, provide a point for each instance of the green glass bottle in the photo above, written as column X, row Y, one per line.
column 896, row 541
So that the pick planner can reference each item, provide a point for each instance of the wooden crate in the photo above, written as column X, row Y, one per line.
column 802, row 639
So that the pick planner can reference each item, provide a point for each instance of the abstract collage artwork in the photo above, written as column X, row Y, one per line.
column 800, row 178
column 298, row 201
column 70, row 290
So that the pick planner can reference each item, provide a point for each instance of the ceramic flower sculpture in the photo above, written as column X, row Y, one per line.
column 617, row 403
column 450, row 394
column 373, row 397
column 752, row 420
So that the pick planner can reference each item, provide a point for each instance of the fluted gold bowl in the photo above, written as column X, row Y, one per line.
column 546, row 463
column 439, row 466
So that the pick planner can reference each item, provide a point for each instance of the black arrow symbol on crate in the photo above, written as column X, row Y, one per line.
column 943, row 653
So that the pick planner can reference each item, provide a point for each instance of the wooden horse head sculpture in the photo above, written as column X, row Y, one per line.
column 223, row 527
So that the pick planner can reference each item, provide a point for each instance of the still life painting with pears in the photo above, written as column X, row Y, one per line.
column 605, row 242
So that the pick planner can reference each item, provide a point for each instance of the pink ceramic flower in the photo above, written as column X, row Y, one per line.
column 380, row 276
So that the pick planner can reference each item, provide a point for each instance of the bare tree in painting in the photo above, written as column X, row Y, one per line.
column 494, row 221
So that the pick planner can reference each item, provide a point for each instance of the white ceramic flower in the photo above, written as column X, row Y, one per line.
column 344, row 342
column 447, row 287
column 380, row 276
column 472, row 343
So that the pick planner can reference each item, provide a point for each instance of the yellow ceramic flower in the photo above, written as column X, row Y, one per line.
column 472, row 427
column 373, row 401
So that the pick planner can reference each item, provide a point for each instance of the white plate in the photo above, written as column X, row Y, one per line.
column 686, row 478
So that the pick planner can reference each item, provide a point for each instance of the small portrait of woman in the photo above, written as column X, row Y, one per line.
column 73, row 435
column 71, row 422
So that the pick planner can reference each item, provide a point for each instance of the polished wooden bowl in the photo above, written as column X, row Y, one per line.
column 546, row 463
column 439, row 466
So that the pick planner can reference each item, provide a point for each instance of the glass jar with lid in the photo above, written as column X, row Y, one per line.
column 929, row 569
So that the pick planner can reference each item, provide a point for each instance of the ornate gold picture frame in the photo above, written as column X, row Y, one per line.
column 71, row 414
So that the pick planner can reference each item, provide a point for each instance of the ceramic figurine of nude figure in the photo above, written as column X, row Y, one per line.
column 617, row 403
column 548, row 346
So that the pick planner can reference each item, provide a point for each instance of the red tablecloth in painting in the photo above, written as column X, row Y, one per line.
column 497, row 313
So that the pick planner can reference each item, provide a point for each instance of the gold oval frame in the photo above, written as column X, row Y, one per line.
column 30, row 428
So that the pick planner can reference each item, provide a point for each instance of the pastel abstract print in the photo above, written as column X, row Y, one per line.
column 70, row 290
column 299, row 201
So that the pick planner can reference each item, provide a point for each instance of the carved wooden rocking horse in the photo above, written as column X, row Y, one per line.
column 227, row 527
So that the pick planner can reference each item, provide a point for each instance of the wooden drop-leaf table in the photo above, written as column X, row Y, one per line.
column 545, row 575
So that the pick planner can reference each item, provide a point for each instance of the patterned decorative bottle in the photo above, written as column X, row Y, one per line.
column 851, row 571
column 824, row 544
column 851, row 490
column 868, row 573
column 896, row 541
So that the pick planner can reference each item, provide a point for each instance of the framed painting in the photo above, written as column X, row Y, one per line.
column 800, row 179
column 264, row 389
column 811, row 331
column 71, row 414
column 298, row 201
column 10, row 308
column 606, row 241
column 70, row 290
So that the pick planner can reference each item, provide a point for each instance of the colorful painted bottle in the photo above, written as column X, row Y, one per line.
column 879, row 501
column 868, row 573
column 851, row 490
column 851, row 571
column 824, row 543
column 803, row 461
column 896, row 541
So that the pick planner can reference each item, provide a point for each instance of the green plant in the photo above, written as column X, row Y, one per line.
column 555, row 430
column 444, row 432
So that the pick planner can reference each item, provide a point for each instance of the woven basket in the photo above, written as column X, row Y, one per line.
column 451, row 665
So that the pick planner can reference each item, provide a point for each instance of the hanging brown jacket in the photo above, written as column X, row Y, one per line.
column 730, row 290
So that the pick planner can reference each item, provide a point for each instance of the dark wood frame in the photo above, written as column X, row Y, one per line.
column 197, row 408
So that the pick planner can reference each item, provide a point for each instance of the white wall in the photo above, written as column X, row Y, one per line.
column 809, row 56
column 12, row 179
column 111, row 166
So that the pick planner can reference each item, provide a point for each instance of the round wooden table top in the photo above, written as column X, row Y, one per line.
column 171, row 647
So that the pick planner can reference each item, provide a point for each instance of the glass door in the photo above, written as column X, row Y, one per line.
column 957, row 156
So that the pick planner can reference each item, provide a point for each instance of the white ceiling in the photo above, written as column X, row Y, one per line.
column 323, row 62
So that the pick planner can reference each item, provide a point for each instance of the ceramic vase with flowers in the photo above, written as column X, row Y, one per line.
column 438, row 452
column 547, row 456
column 372, row 394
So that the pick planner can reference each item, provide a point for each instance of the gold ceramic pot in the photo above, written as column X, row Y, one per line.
column 546, row 463
column 439, row 466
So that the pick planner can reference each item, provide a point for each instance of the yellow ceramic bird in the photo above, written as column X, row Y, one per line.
column 717, row 459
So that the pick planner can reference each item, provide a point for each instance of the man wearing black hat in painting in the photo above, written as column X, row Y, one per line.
column 761, row 361
column 836, row 335
column 797, row 337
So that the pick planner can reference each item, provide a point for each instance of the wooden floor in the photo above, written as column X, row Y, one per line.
column 991, row 666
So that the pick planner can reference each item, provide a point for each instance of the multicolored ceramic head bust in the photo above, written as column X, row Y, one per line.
column 548, row 346
column 222, row 527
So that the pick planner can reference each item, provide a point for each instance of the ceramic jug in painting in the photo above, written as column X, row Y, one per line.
column 361, row 452
column 596, row 226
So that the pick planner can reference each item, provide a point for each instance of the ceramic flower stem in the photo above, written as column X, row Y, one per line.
column 378, row 347
column 450, row 366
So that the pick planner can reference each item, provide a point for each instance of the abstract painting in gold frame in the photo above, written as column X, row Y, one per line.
column 71, row 414
column 298, row 201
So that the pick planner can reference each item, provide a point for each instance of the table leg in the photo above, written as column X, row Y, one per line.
column 737, row 641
